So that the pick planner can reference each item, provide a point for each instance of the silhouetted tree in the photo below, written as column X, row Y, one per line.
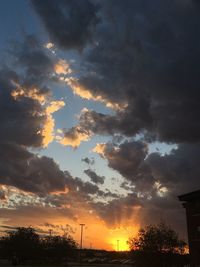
column 58, row 248
column 25, row 246
column 22, row 244
column 156, row 244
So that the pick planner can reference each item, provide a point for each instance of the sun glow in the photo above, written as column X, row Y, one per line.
column 118, row 238
column 120, row 243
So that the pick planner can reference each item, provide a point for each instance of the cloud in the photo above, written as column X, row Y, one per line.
column 152, row 181
column 94, row 177
column 91, row 122
column 22, row 115
column 118, row 212
column 35, row 102
column 142, row 60
column 28, row 172
column 179, row 170
column 31, row 57
column 26, row 108
column 27, row 103
column 27, row 122
column 149, row 67
column 69, row 23
column 48, row 129
column 85, row 93
column 125, row 158
column 36, row 214
column 88, row 161
column 62, row 67
column 153, row 173
column 74, row 136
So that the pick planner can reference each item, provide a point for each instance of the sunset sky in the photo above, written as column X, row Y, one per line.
column 100, row 115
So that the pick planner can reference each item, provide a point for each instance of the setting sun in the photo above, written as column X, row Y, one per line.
column 119, row 237
column 120, row 244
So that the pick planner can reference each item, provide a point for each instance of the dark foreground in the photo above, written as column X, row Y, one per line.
column 7, row 264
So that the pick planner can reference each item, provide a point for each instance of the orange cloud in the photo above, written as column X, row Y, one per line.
column 85, row 93
column 62, row 67
column 48, row 129
column 74, row 140
column 49, row 108
column 99, row 148
column 33, row 93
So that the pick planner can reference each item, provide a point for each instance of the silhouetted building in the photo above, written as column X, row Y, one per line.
column 191, row 203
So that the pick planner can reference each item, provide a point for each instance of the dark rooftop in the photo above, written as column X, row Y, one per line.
column 190, row 196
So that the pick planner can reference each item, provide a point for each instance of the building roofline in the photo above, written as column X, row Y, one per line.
column 190, row 196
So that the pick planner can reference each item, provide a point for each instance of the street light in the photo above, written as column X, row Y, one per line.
column 81, row 242
column 117, row 245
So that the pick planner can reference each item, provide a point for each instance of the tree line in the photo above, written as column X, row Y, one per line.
column 25, row 246
column 155, row 246
column 158, row 246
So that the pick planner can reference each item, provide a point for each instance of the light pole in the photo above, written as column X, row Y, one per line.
column 81, row 242
column 50, row 232
column 118, row 245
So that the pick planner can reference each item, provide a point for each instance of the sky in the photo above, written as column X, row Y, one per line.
column 99, row 112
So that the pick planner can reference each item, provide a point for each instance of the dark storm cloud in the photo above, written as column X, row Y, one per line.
column 40, row 175
column 98, row 123
column 23, row 117
column 125, row 158
column 78, row 194
column 94, row 177
column 88, row 161
column 85, row 187
column 91, row 122
column 24, row 94
column 153, row 182
column 21, row 120
column 146, row 59
column 69, row 22
column 146, row 56
column 75, row 184
column 28, row 172
column 178, row 171
column 32, row 57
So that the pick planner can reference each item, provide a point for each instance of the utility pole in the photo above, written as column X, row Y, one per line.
column 81, row 242
column 118, row 245
column 50, row 232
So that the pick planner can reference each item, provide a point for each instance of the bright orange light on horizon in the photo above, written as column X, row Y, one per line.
column 96, row 233
column 120, row 243
column 119, row 237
